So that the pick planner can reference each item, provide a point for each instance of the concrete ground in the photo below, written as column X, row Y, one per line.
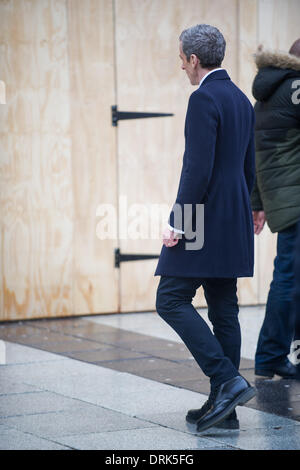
column 124, row 382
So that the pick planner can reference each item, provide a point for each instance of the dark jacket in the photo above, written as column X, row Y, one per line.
column 277, row 139
column 218, row 171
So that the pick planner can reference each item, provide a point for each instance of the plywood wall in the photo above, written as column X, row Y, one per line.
column 36, row 196
column 94, row 175
column 57, row 157
column 64, row 63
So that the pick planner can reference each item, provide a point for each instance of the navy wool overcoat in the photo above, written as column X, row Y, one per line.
column 218, row 171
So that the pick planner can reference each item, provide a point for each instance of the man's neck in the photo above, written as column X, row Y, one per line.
column 204, row 72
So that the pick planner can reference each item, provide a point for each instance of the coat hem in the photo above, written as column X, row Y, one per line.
column 220, row 275
column 276, row 229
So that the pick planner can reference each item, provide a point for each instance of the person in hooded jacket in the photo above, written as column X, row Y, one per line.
column 276, row 197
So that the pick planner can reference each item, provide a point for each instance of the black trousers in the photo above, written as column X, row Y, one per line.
column 218, row 352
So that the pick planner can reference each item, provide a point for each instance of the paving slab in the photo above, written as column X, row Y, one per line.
column 170, row 400
column 283, row 438
column 249, row 419
column 9, row 386
column 105, row 355
column 19, row 354
column 48, row 370
column 82, row 419
column 12, row 439
column 34, row 402
column 251, row 319
column 149, row 438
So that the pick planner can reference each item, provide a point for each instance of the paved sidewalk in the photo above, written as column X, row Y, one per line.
column 107, row 387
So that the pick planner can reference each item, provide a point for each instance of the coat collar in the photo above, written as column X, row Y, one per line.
column 217, row 75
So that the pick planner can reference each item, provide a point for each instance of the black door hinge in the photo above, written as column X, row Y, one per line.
column 120, row 257
column 120, row 115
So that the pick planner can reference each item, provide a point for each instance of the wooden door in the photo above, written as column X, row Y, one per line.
column 92, row 93
column 149, row 79
column 57, row 158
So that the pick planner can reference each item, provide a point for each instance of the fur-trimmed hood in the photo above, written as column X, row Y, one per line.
column 274, row 67
column 281, row 60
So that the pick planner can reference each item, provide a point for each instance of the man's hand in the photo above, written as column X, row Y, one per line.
column 170, row 238
column 259, row 219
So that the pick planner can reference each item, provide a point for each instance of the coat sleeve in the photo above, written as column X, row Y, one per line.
column 200, row 141
column 251, row 175
column 249, row 162
column 256, row 202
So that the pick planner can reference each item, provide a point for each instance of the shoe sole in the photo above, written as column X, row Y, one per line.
column 190, row 420
column 230, row 425
column 240, row 400
column 270, row 374
column 265, row 373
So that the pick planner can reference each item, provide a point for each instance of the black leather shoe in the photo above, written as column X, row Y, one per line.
column 194, row 415
column 225, row 398
column 231, row 422
column 286, row 370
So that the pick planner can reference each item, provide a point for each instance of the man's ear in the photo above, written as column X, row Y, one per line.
column 194, row 59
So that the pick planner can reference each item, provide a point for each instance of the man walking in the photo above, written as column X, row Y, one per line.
column 218, row 171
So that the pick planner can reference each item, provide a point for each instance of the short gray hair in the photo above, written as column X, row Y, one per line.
column 206, row 42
